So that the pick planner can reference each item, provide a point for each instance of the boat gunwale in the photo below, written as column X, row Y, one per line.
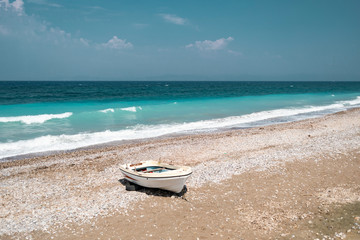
column 149, row 176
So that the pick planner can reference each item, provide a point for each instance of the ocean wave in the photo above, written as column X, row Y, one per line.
column 107, row 110
column 131, row 109
column 30, row 119
column 350, row 102
column 67, row 142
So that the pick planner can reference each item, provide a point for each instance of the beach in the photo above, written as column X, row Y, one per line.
column 296, row 180
column 240, row 120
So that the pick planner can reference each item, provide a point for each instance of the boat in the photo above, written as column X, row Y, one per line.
column 152, row 174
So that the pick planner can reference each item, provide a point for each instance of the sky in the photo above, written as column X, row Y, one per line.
column 168, row 39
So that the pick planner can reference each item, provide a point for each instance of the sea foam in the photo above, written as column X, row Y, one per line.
column 107, row 110
column 350, row 102
column 67, row 142
column 131, row 109
column 30, row 119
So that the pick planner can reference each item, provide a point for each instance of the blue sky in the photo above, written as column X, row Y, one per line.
column 110, row 40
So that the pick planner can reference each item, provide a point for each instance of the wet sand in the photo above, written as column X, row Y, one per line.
column 294, row 180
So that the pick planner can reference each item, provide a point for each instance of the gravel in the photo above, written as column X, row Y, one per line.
column 49, row 192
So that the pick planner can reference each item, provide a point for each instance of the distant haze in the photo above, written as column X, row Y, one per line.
column 180, row 40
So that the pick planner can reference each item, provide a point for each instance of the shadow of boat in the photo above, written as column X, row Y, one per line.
column 151, row 191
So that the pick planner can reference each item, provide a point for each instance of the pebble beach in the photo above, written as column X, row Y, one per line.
column 240, row 187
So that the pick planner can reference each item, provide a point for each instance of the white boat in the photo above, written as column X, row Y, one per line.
column 153, row 174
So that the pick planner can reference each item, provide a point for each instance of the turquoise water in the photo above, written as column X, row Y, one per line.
column 48, row 116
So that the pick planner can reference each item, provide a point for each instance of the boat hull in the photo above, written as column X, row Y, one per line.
column 173, row 184
column 173, row 181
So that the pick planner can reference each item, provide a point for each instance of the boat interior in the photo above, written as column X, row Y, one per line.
column 153, row 169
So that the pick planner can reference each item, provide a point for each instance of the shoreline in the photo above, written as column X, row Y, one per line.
column 100, row 146
column 44, row 194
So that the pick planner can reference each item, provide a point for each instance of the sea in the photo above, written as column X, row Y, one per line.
column 44, row 116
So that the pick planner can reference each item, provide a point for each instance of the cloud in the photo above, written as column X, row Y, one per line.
column 117, row 43
column 208, row 45
column 17, row 24
column 16, row 6
column 235, row 53
column 96, row 8
column 85, row 42
column 171, row 18
column 46, row 3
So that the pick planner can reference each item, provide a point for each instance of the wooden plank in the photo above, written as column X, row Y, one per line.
column 136, row 164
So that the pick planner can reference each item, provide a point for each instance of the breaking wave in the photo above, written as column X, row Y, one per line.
column 30, row 119
column 107, row 110
column 67, row 142
column 350, row 102
column 131, row 109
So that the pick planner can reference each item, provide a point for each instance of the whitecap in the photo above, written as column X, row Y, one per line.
column 30, row 119
column 107, row 110
column 131, row 109
column 351, row 102
column 67, row 142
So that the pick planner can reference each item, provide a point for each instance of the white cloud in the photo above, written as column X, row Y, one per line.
column 117, row 43
column 208, row 45
column 235, row 53
column 173, row 19
column 97, row 8
column 85, row 42
column 46, row 3
column 16, row 6
column 19, row 25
